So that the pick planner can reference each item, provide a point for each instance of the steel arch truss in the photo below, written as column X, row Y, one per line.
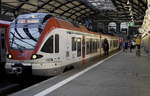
column 77, row 10
column 69, row 9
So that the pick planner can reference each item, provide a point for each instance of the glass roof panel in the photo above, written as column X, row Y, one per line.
column 73, row 16
column 69, row 5
column 102, row 4
column 72, row 11
column 67, row 14
column 29, row 7
column 59, row 11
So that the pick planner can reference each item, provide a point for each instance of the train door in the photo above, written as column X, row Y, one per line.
column 68, row 43
column 78, row 47
column 2, row 44
column 83, row 47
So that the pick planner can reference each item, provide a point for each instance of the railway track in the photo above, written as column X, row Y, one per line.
column 10, row 83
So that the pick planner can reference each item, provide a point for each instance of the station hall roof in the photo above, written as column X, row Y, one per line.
column 77, row 10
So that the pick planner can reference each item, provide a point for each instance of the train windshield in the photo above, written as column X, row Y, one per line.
column 25, row 32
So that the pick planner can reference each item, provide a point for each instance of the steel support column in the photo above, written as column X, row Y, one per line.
column 105, row 27
column 118, row 27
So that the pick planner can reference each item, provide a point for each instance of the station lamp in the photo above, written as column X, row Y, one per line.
column 128, row 2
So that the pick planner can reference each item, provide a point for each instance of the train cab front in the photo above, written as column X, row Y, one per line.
column 22, row 42
column 19, row 62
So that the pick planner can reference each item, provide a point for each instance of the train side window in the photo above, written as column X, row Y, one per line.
column 79, row 47
column 91, row 45
column 96, row 47
column 110, row 43
column 97, row 44
column 116, row 43
column 87, row 47
column 113, row 43
column 56, row 43
column 101, row 42
column 73, row 44
column 48, row 46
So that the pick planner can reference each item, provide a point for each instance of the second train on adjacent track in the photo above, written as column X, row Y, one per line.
column 4, row 27
column 45, row 45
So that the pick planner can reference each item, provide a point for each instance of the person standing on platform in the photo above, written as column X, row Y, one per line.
column 125, row 46
column 138, row 45
column 105, row 46
column 131, row 45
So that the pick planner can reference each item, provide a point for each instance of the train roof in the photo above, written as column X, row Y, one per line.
column 60, row 23
column 71, row 26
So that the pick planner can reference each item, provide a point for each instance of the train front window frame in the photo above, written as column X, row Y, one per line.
column 26, row 30
column 24, row 36
column 48, row 45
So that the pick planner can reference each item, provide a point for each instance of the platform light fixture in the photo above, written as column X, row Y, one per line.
column 128, row 2
column 130, row 8
column 128, row 5
column 131, row 13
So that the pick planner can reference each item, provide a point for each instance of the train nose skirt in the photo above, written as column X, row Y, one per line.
column 19, row 68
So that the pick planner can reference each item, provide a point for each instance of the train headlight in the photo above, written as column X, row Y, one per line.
column 9, row 56
column 36, row 56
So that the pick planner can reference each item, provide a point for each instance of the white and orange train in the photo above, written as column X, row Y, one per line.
column 45, row 45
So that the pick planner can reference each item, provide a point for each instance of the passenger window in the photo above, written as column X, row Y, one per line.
column 110, row 43
column 73, row 44
column 91, row 45
column 113, row 43
column 101, row 42
column 56, row 43
column 48, row 46
column 79, row 47
column 87, row 47
column 97, row 43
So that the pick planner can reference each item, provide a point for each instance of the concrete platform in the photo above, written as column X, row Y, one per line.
column 121, row 75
